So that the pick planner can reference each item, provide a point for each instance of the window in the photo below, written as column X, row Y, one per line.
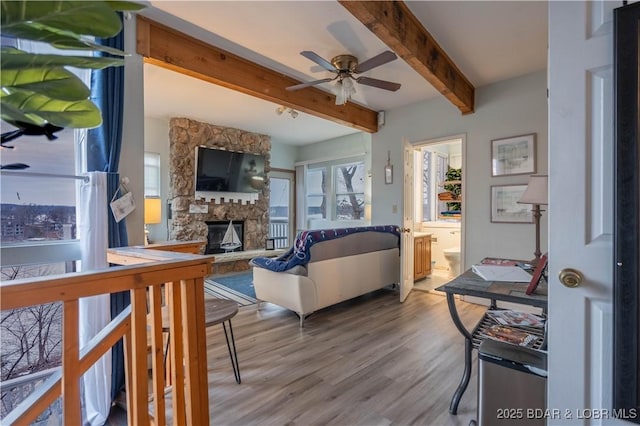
column 336, row 190
column 151, row 174
column 38, row 238
column 316, row 193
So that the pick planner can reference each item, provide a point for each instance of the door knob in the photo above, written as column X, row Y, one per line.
column 405, row 230
column 570, row 277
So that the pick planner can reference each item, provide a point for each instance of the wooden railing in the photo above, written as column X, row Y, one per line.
column 279, row 231
column 182, row 276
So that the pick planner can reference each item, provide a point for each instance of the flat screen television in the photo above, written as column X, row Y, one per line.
column 219, row 170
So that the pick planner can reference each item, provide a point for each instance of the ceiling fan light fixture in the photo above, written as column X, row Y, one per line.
column 345, row 89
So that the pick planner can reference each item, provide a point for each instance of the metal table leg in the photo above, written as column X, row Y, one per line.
column 234, row 356
column 468, row 348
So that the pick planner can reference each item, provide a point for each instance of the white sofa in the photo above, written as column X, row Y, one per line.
column 333, row 270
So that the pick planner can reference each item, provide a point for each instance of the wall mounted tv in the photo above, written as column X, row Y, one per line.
column 219, row 170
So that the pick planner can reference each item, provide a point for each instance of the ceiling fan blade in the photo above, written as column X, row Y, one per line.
column 376, row 61
column 381, row 84
column 318, row 60
column 310, row 83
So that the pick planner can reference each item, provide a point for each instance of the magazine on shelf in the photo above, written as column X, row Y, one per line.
column 499, row 262
column 502, row 273
column 516, row 318
column 511, row 335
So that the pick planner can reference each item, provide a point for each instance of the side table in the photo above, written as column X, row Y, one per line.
column 470, row 284
column 218, row 311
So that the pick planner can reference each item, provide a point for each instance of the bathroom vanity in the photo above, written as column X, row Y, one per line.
column 422, row 255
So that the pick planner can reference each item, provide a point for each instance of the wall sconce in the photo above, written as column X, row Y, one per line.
column 282, row 109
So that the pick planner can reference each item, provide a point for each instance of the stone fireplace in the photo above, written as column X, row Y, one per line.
column 190, row 215
column 217, row 229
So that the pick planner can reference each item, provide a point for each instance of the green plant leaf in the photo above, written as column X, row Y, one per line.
column 11, row 113
column 57, row 83
column 60, row 39
column 73, row 114
column 14, row 59
column 94, row 18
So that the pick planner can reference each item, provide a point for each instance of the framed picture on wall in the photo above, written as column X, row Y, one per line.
column 388, row 174
column 505, row 207
column 515, row 155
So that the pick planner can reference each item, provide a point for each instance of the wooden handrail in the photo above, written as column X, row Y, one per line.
column 183, row 276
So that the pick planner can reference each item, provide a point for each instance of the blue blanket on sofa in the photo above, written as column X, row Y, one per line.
column 299, row 254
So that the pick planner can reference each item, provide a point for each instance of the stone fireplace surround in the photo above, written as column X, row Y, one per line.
column 184, row 135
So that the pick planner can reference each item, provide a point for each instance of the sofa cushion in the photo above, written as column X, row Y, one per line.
column 301, row 251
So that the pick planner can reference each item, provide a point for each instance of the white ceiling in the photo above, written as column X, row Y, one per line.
column 489, row 42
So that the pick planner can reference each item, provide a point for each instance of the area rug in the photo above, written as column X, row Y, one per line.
column 237, row 287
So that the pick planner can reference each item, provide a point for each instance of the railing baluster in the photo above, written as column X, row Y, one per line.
column 70, row 359
column 157, row 353
column 139, row 355
column 174, row 306
column 195, row 349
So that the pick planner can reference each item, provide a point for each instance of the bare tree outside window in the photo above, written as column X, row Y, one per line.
column 350, row 192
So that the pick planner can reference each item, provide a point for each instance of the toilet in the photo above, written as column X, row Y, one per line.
column 453, row 258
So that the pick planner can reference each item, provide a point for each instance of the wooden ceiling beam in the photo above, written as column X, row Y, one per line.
column 398, row 28
column 171, row 49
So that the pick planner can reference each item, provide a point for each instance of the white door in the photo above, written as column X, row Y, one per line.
column 580, row 209
column 406, row 242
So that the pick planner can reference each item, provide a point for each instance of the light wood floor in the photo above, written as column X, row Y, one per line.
column 369, row 361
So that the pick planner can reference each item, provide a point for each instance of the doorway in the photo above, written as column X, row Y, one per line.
column 439, row 207
column 281, row 207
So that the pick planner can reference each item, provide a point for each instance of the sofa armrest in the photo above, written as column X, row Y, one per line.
column 294, row 292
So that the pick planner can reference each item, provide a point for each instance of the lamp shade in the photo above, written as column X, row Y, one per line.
column 536, row 192
column 152, row 211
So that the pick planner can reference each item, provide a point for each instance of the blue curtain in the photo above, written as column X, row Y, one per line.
column 103, row 154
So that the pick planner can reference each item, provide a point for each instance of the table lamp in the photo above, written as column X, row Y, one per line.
column 536, row 194
column 152, row 215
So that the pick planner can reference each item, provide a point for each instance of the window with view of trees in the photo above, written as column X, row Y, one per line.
column 349, row 191
column 38, row 216
column 336, row 191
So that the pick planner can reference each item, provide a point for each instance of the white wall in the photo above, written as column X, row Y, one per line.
column 354, row 144
column 508, row 108
column 283, row 156
column 156, row 139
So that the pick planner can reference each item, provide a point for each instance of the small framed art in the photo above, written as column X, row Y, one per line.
column 270, row 244
column 505, row 207
column 515, row 155
column 388, row 174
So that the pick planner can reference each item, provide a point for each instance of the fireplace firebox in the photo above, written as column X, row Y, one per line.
column 217, row 230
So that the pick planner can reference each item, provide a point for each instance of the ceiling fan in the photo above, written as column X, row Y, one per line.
column 345, row 66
